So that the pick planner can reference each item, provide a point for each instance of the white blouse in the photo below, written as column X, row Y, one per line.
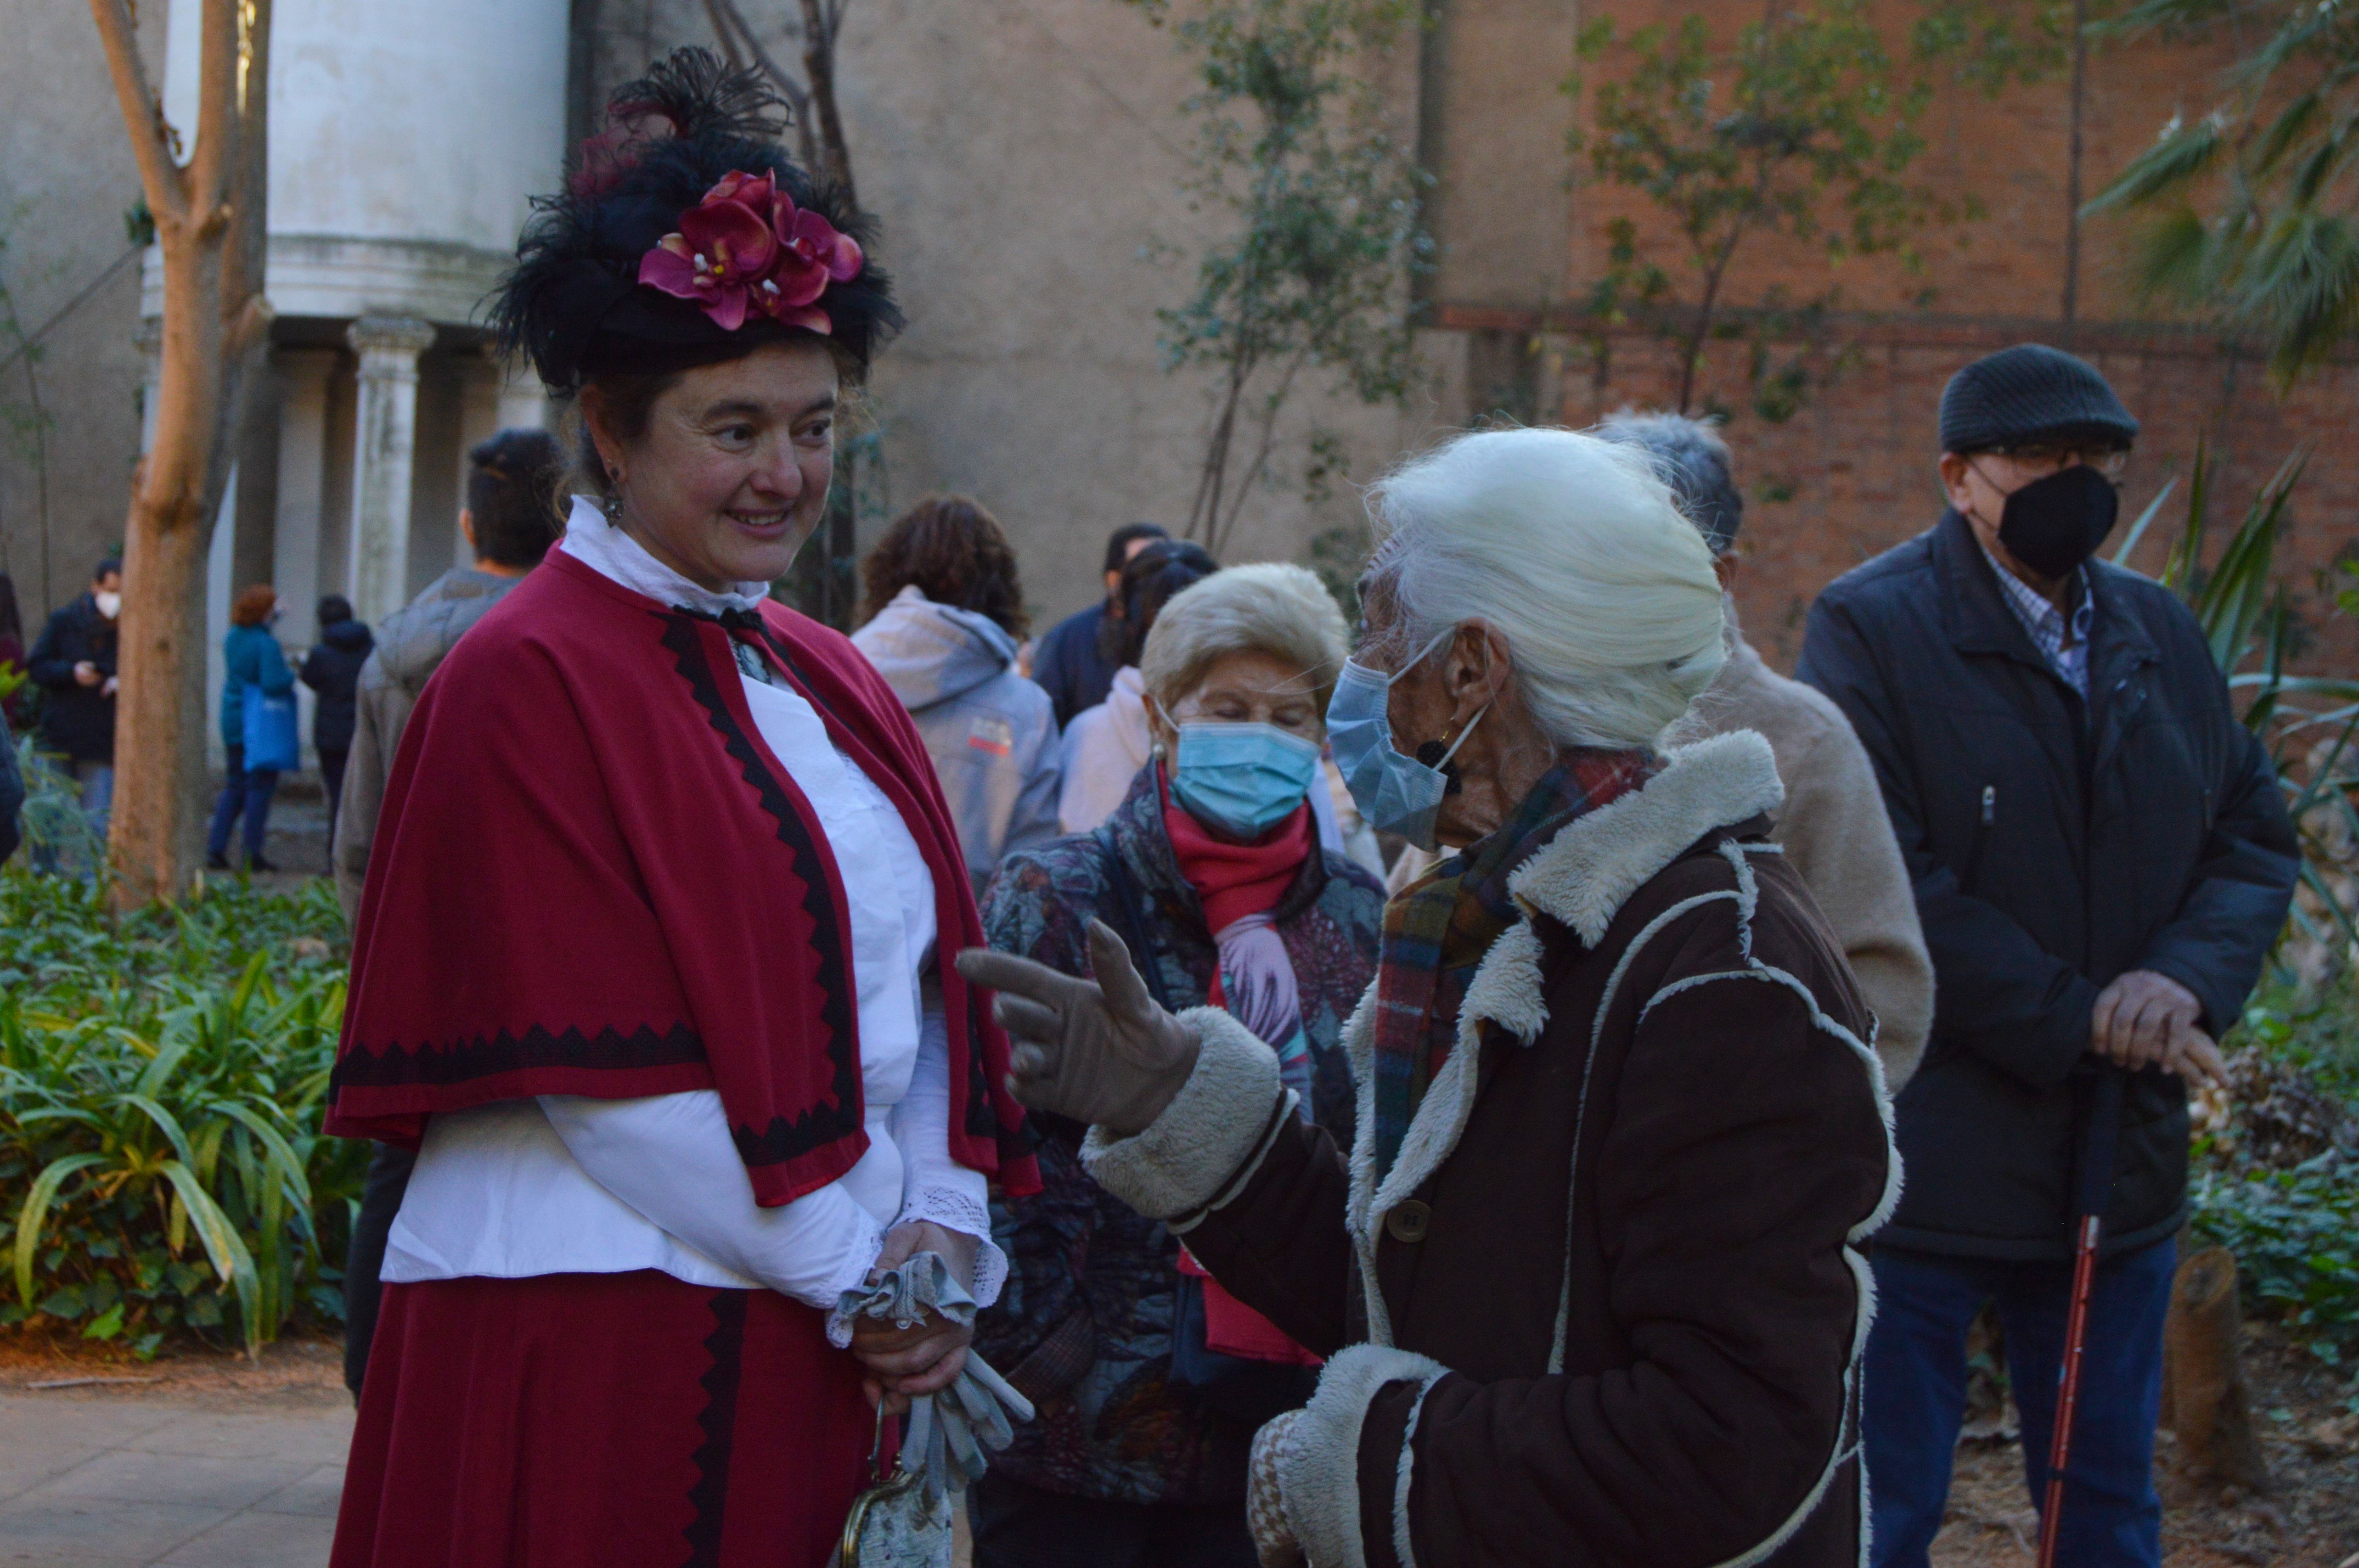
column 569, row 1184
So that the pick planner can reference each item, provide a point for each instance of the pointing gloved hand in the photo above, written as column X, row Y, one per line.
column 1099, row 1051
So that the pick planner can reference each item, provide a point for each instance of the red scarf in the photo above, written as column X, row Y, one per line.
column 591, row 876
column 1237, row 879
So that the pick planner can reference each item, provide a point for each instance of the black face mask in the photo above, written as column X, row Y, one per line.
column 2052, row 525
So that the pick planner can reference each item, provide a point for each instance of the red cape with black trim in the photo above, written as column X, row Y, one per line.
column 591, row 876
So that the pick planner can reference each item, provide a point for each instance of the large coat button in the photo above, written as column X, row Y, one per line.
column 1408, row 1222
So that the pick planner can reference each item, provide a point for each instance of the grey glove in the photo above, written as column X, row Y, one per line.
column 950, row 1430
column 1099, row 1051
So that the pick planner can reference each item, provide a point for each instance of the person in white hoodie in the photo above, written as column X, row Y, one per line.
column 1106, row 745
column 945, row 612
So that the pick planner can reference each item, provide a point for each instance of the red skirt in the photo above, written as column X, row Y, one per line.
column 588, row 1418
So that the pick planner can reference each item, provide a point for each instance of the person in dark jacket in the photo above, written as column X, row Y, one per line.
column 74, row 663
column 2101, row 860
column 332, row 670
column 510, row 520
column 1070, row 664
column 12, row 795
column 1589, row 1282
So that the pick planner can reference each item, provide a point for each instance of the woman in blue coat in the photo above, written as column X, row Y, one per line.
column 254, row 659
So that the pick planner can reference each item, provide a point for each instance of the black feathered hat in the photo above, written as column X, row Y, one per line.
column 686, row 237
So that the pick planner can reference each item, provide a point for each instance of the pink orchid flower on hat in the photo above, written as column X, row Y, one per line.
column 723, row 253
column 812, row 253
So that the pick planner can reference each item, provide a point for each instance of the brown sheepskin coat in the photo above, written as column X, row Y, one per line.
column 1607, row 1307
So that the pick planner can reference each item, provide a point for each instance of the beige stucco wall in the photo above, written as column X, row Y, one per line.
column 65, row 182
column 1024, row 158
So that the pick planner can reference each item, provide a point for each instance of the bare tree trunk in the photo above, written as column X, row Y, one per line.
column 210, row 226
column 2205, row 1400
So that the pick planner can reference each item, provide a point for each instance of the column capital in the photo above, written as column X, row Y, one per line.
column 387, row 344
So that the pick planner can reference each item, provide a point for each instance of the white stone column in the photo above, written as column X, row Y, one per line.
column 524, row 402
column 384, row 452
column 303, row 375
column 151, row 379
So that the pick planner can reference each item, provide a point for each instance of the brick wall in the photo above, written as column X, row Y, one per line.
column 1852, row 473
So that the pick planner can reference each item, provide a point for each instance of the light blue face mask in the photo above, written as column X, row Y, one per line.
column 1241, row 778
column 1395, row 793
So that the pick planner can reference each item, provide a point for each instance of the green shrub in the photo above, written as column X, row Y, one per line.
column 161, row 1077
column 2296, row 1236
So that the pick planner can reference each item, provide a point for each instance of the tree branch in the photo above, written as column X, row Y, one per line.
column 142, row 112
column 726, row 14
column 211, row 170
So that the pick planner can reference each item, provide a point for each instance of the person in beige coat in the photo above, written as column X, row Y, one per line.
column 1831, row 826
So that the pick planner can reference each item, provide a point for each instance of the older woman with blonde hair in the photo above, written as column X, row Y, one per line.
column 1148, row 1378
column 1588, row 1278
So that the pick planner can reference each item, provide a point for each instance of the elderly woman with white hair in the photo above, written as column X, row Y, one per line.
column 1150, row 1379
column 1588, row 1278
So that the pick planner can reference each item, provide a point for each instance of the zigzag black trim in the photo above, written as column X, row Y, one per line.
column 484, row 1056
column 710, row 1495
column 820, row 1126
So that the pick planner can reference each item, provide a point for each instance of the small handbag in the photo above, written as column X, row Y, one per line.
column 898, row 1521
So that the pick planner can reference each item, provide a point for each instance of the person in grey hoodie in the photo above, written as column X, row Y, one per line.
column 510, row 521
column 945, row 611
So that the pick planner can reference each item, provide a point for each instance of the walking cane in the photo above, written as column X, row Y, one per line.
column 2094, row 1182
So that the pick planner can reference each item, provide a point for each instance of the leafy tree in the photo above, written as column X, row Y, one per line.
column 1804, row 127
column 2253, row 202
column 1293, row 148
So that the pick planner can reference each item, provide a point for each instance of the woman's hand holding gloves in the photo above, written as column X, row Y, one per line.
column 1100, row 1051
column 927, row 1356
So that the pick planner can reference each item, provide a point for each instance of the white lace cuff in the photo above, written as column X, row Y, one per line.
column 962, row 1212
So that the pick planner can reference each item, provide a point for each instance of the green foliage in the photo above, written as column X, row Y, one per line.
column 2252, row 209
column 1314, row 202
column 1804, row 127
column 2310, row 722
column 161, row 1078
column 2296, row 1236
column 56, row 832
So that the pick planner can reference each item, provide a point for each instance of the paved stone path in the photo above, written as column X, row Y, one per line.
column 109, row 1483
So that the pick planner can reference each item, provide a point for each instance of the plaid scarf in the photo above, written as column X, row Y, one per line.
column 1438, row 930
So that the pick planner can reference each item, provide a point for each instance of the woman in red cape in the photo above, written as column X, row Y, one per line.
column 646, row 965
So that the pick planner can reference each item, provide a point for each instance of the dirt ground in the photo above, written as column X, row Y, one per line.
column 293, row 1374
column 2309, row 1518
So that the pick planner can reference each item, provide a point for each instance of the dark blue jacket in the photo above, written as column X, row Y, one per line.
column 2055, row 843
column 1067, row 666
column 12, row 794
column 77, row 720
column 333, row 670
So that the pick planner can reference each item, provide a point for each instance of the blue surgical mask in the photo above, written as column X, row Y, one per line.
column 1242, row 778
column 1395, row 793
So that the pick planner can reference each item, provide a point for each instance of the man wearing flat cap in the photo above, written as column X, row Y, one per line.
column 2101, row 860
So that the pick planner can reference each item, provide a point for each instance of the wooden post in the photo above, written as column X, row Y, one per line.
column 2205, row 1398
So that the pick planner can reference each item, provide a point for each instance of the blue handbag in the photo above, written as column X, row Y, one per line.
column 272, row 738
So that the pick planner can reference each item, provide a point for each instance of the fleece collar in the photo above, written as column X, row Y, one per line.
column 1581, row 879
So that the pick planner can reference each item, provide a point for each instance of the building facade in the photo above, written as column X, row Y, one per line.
column 1027, row 160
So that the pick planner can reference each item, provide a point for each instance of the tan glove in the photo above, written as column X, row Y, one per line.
column 1273, row 1533
column 1100, row 1051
